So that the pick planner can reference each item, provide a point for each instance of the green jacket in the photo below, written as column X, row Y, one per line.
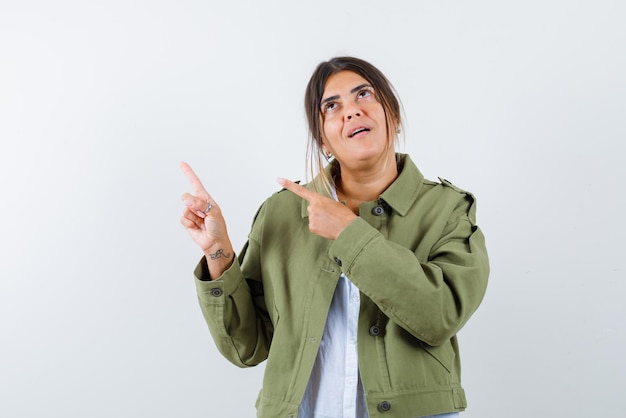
column 420, row 263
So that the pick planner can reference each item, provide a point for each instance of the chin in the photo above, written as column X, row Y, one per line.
column 365, row 158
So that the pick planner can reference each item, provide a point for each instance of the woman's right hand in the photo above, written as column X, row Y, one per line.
column 203, row 220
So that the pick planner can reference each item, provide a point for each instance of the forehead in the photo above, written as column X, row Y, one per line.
column 342, row 83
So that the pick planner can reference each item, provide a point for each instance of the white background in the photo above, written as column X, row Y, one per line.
column 523, row 103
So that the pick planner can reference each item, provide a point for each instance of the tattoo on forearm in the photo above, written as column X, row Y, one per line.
column 219, row 254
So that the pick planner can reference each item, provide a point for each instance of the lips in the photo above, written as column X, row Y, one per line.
column 358, row 130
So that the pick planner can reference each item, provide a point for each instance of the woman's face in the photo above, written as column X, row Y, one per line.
column 354, row 127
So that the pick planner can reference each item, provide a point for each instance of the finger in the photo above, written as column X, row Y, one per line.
column 297, row 189
column 189, row 224
column 193, row 179
column 194, row 217
column 196, row 205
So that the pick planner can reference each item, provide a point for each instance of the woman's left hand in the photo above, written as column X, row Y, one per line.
column 327, row 217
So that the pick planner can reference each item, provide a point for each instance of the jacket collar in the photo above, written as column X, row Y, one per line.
column 400, row 195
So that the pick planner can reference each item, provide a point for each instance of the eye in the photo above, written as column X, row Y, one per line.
column 328, row 106
column 364, row 93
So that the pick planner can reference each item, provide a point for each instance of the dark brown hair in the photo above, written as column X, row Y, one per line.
column 385, row 94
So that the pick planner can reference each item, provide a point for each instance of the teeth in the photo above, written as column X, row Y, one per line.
column 357, row 131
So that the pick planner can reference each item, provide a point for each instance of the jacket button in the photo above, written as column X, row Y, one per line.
column 378, row 210
column 216, row 291
column 374, row 330
column 338, row 261
column 384, row 406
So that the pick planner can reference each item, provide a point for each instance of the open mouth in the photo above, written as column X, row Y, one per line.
column 358, row 131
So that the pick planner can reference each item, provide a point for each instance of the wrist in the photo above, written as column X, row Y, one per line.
column 218, row 259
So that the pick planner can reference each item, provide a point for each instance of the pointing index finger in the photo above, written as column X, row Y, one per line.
column 295, row 188
column 193, row 179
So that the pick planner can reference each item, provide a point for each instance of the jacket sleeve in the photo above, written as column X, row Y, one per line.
column 234, row 307
column 431, row 299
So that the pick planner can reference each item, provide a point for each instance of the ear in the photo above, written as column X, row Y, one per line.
column 323, row 142
column 395, row 129
column 327, row 154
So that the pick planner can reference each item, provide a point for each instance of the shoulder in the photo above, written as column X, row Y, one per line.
column 275, row 209
column 285, row 197
column 448, row 184
column 444, row 187
column 280, row 216
column 465, row 201
column 282, row 204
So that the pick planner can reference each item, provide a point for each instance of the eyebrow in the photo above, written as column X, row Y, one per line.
column 354, row 90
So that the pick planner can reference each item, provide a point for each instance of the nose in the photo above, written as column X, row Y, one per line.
column 352, row 109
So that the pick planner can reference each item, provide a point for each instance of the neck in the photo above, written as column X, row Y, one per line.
column 357, row 186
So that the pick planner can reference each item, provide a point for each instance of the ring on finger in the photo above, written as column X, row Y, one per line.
column 208, row 208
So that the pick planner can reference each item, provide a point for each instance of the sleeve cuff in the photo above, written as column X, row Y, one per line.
column 350, row 243
column 226, row 284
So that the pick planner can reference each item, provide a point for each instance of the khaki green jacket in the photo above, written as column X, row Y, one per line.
column 420, row 263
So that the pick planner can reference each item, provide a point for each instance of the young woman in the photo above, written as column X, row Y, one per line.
column 354, row 286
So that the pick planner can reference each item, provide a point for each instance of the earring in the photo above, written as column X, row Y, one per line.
column 328, row 155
